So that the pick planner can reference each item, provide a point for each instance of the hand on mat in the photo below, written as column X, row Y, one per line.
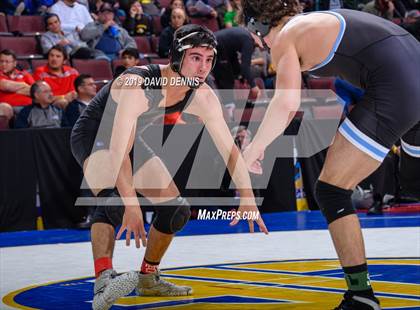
column 253, row 157
column 133, row 223
column 249, row 211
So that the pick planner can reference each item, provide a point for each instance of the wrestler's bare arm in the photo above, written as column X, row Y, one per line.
column 286, row 100
column 132, row 102
column 206, row 105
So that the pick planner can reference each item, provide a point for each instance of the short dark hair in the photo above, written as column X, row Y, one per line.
column 48, row 16
column 80, row 80
column 35, row 88
column 271, row 11
column 8, row 52
column 58, row 48
column 131, row 51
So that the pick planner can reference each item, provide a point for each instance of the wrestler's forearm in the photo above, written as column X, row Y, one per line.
column 240, row 174
column 125, row 184
column 278, row 116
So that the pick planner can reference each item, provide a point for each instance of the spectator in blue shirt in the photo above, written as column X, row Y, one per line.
column 86, row 89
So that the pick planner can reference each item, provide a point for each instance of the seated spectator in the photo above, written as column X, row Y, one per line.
column 106, row 35
column 27, row 7
column 58, row 76
column 380, row 8
column 38, row 7
column 136, row 22
column 12, row 7
column 178, row 18
column 130, row 58
column 233, row 9
column 86, row 89
column 73, row 15
column 165, row 18
column 14, row 84
column 42, row 113
column 150, row 7
column 95, row 5
column 200, row 8
column 69, row 40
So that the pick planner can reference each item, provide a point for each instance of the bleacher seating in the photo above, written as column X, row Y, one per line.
column 155, row 44
column 159, row 61
column 144, row 47
column 99, row 69
column 38, row 63
column 24, row 47
column 321, row 83
column 327, row 112
column 254, row 114
column 26, row 25
column 157, row 26
column 4, row 30
column 165, row 3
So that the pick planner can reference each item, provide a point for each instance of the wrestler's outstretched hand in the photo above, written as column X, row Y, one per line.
column 133, row 223
column 248, row 211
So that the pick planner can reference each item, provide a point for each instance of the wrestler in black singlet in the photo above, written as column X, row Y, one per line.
column 384, row 60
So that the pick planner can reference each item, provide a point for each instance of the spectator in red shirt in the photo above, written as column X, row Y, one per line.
column 59, row 76
column 14, row 84
column 14, row 87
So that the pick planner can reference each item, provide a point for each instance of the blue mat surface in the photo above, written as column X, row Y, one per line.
column 282, row 221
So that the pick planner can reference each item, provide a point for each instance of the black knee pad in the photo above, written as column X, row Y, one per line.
column 109, row 214
column 171, row 216
column 334, row 202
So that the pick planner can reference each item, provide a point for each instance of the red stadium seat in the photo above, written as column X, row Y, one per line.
column 159, row 61
column 38, row 63
column 255, row 114
column 165, row 3
column 99, row 69
column 116, row 63
column 328, row 112
column 143, row 44
column 144, row 47
column 157, row 26
column 155, row 44
column 24, row 47
column 4, row 30
column 210, row 23
column 240, row 91
column 321, row 83
column 26, row 24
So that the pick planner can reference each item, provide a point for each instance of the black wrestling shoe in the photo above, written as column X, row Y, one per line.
column 354, row 302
